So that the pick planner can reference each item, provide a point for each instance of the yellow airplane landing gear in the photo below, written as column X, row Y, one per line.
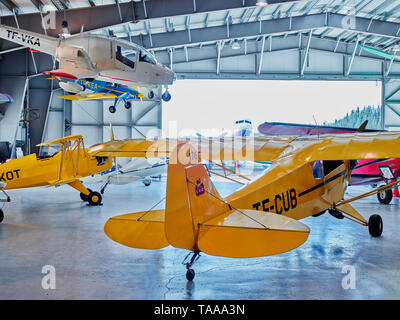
column 375, row 225
column 7, row 199
column 94, row 198
column 190, row 272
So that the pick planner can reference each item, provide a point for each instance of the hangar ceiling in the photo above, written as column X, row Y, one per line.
column 231, row 39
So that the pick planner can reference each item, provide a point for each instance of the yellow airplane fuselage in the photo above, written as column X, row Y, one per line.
column 294, row 193
column 31, row 171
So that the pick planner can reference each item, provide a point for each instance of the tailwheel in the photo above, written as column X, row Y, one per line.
column 94, row 198
column 1, row 215
column 190, row 272
column 375, row 225
column 385, row 196
column 85, row 197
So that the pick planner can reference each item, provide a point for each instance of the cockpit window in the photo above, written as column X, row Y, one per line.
column 145, row 57
column 120, row 56
column 318, row 170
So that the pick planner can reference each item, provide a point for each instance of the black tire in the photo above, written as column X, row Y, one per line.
column 94, row 198
column 150, row 94
column 1, row 215
column 385, row 197
column 375, row 225
column 166, row 96
column 128, row 105
column 112, row 109
column 84, row 197
column 190, row 274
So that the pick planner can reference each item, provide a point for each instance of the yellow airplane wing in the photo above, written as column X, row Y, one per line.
column 304, row 149
column 260, row 148
column 89, row 96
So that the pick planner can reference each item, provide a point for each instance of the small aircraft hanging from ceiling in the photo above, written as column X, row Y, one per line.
column 261, row 218
column 68, row 165
column 366, row 172
column 103, row 90
column 96, row 57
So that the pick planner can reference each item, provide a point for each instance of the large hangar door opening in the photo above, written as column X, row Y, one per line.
column 208, row 106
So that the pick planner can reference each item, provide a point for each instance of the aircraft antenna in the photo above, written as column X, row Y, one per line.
column 316, row 126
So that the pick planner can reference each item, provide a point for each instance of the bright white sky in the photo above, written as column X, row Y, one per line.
column 216, row 104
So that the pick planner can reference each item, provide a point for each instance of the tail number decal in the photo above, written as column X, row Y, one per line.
column 284, row 201
column 10, row 175
column 23, row 37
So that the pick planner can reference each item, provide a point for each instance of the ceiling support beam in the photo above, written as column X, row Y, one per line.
column 271, row 27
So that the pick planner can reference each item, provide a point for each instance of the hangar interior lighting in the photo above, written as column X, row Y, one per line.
column 261, row 3
column 235, row 45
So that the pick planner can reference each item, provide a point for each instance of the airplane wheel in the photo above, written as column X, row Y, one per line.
column 84, row 197
column 128, row 105
column 112, row 109
column 1, row 215
column 94, row 198
column 150, row 94
column 375, row 225
column 146, row 181
column 166, row 96
column 385, row 197
column 190, row 274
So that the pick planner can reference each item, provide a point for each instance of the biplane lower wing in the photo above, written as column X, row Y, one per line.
column 89, row 96
column 142, row 230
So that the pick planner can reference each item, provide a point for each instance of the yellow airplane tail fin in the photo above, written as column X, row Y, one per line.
column 197, row 218
column 191, row 199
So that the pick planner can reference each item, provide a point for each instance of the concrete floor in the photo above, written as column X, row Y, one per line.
column 48, row 226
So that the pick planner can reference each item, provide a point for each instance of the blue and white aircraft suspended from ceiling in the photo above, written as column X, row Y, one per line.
column 101, row 90
column 91, row 57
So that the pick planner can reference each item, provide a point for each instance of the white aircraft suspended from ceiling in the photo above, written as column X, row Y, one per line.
column 96, row 57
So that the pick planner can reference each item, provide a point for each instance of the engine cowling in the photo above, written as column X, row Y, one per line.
column 71, row 87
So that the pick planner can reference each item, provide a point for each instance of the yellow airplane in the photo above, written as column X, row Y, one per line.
column 67, row 166
column 308, row 176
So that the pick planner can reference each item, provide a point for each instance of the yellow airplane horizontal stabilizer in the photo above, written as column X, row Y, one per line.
column 142, row 230
column 60, row 140
column 89, row 96
column 251, row 233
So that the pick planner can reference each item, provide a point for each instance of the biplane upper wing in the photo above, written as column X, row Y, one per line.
column 72, row 73
column 60, row 140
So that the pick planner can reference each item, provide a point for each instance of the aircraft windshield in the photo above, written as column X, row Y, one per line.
column 120, row 56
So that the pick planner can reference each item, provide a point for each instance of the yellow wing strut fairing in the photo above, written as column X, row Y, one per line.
column 307, row 176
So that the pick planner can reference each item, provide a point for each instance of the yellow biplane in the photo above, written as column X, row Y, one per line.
column 70, row 163
column 308, row 176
